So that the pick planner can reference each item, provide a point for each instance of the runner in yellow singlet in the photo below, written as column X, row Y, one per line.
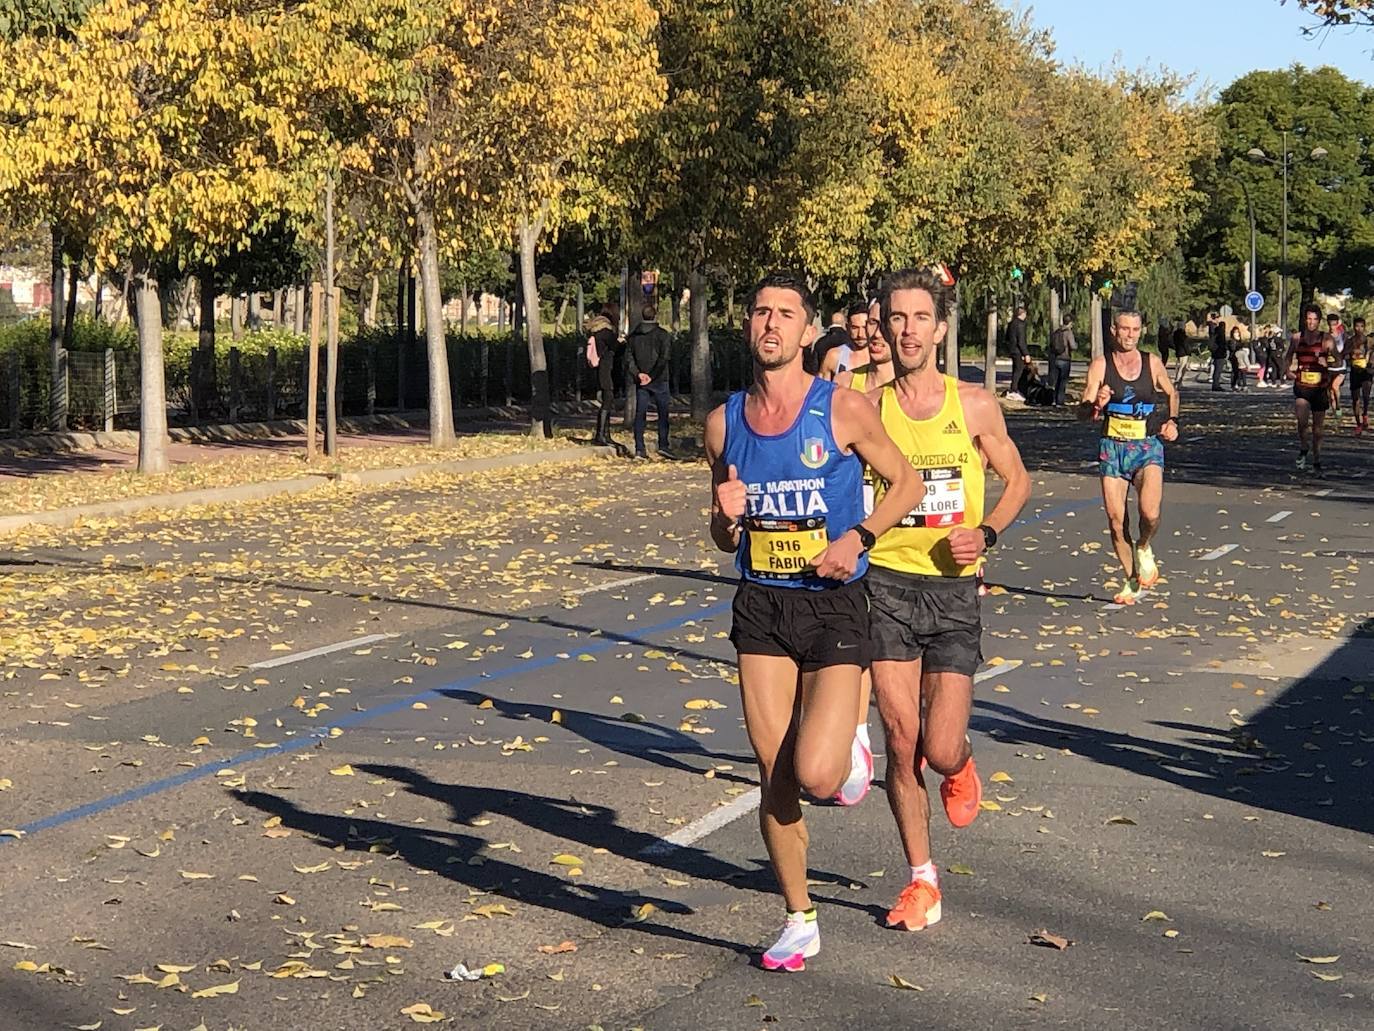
column 922, row 582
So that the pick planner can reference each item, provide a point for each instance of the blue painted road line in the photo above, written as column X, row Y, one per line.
column 354, row 719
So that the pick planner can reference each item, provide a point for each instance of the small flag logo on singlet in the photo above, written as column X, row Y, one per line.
column 813, row 454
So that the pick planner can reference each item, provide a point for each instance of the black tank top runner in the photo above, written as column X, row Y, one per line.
column 1134, row 399
column 1309, row 353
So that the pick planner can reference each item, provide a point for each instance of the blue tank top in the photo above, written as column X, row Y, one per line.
column 803, row 492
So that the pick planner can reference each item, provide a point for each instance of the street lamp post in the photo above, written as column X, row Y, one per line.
column 1256, row 154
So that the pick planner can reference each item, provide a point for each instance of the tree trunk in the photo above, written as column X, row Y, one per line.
column 990, row 354
column 253, row 307
column 1095, row 327
column 371, row 318
column 331, row 292
column 1054, row 309
column 440, row 397
column 99, row 295
column 69, row 317
column 952, row 335
column 463, row 308
column 401, row 276
column 730, row 304
column 562, row 313
column 236, row 317
column 152, row 415
column 57, row 395
column 676, row 303
column 312, row 376
column 203, row 382
column 541, row 416
column 701, row 344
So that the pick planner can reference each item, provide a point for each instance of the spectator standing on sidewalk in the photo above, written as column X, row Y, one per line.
column 1021, row 367
column 648, row 350
column 601, row 341
column 1240, row 358
column 1220, row 350
column 1062, row 344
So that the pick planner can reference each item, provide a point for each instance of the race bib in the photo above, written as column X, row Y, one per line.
column 785, row 549
column 1310, row 378
column 942, row 504
column 1360, row 363
column 1120, row 427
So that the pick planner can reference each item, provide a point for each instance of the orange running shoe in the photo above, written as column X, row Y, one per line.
column 918, row 906
column 962, row 794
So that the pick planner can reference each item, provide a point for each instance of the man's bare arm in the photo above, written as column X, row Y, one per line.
column 725, row 529
column 988, row 427
column 1088, row 408
column 859, row 428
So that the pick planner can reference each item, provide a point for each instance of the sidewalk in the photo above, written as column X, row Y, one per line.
column 65, row 487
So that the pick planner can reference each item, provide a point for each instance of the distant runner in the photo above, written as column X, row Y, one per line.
column 854, row 354
column 1310, row 350
column 787, row 459
column 1131, row 389
column 1358, row 355
column 923, row 582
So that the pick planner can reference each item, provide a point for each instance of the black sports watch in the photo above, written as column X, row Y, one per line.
column 866, row 537
column 989, row 536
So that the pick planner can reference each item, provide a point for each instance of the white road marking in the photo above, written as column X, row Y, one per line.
column 749, row 801
column 1192, row 440
column 612, row 585
column 1323, row 492
column 1217, row 553
column 1278, row 517
column 313, row 653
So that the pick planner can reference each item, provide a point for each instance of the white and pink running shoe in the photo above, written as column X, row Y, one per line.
column 854, row 789
column 800, row 940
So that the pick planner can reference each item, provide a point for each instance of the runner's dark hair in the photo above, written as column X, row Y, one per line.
column 857, row 308
column 1309, row 306
column 915, row 279
column 783, row 280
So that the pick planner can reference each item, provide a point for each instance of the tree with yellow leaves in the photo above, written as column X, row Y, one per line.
column 160, row 130
column 481, row 118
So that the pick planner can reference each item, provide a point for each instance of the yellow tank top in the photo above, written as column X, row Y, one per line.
column 951, row 468
column 859, row 381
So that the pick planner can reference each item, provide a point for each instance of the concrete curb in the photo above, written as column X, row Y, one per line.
column 257, row 491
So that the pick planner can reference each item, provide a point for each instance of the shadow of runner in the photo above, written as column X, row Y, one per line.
column 650, row 741
column 1304, row 753
column 447, row 853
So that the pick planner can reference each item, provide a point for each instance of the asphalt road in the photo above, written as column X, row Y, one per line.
column 525, row 748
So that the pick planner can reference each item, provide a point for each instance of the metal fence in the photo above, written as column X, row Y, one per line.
column 377, row 372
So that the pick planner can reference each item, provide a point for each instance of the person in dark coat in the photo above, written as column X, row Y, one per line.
column 1022, row 369
column 600, row 354
column 647, row 352
column 1220, row 349
column 1061, row 358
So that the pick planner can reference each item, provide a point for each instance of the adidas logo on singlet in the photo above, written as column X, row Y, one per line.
column 951, row 427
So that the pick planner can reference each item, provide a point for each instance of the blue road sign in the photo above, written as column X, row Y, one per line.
column 1254, row 301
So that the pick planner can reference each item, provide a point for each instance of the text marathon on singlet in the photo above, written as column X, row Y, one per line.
column 787, row 498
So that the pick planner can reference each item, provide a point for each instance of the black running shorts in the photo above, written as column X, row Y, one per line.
column 1319, row 398
column 814, row 629
column 933, row 619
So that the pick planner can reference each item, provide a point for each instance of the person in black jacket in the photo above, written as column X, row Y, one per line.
column 648, row 350
column 600, row 354
column 1062, row 343
column 1022, row 371
column 1220, row 349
